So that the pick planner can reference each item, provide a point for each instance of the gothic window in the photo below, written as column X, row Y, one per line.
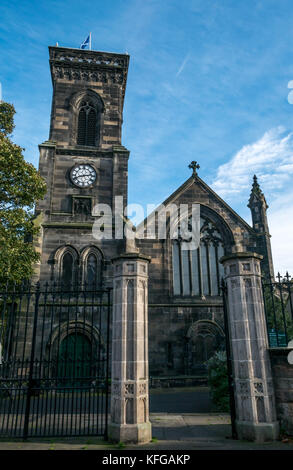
column 67, row 273
column 92, row 269
column 198, row 272
column 87, row 124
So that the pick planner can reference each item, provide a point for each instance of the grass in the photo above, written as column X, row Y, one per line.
column 121, row 445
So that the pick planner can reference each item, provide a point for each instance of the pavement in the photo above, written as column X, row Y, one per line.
column 209, row 431
column 180, row 400
column 177, row 426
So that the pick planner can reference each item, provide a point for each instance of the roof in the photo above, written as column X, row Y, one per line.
column 188, row 183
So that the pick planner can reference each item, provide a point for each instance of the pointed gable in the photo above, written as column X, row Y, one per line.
column 195, row 191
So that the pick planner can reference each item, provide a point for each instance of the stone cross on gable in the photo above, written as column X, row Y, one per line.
column 194, row 166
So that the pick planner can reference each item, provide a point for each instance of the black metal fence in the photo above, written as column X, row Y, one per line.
column 231, row 383
column 54, row 360
column 278, row 302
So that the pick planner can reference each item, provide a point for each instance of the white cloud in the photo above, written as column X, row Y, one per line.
column 271, row 159
column 281, row 229
column 180, row 70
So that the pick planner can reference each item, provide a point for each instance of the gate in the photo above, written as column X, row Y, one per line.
column 278, row 303
column 54, row 360
column 231, row 385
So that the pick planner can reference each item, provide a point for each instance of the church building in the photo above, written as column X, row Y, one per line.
column 84, row 164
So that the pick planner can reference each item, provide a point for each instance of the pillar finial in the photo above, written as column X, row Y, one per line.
column 255, row 186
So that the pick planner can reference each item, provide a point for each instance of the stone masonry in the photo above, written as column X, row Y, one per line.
column 253, row 383
column 180, row 326
column 283, row 382
column 130, row 385
column 66, row 215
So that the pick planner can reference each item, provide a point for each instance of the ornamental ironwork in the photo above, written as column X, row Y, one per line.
column 54, row 360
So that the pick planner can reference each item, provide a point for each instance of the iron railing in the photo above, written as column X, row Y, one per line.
column 231, row 383
column 278, row 303
column 54, row 360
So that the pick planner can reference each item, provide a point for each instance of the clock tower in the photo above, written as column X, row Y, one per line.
column 83, row 163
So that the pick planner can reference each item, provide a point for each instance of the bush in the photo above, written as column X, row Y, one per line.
column 218, row 381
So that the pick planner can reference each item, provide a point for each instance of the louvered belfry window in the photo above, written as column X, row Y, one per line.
column 87, row 124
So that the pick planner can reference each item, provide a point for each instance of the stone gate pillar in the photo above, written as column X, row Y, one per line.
column 253, row 384
column 129, row 386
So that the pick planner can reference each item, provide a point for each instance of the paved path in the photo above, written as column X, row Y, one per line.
column 180, row 400
column 209, row 431
column 177, row 424
column 170, row 432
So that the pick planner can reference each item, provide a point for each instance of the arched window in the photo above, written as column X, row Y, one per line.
column 67, row 270
column 87, row 124
column 65, row 261
column 92, row 273
column 198, row 272
column 92, row 269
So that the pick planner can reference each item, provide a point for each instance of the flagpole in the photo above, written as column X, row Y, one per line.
column 90, row 41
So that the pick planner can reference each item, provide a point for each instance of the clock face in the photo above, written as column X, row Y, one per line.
column 83, row 175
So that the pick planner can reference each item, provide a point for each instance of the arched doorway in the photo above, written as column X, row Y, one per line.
column 204, row 338
column 74, row 360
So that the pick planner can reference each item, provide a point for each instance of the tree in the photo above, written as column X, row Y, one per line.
column 218, row 381
column 20, row 187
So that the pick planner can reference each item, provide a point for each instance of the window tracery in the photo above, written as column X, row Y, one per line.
column 197, row 272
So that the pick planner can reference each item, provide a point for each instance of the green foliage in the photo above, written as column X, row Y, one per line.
column 121, row 445
column 218, row 381
column 7, row 112
column 20, row 187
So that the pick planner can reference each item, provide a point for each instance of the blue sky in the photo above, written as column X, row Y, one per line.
column 208, row 81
